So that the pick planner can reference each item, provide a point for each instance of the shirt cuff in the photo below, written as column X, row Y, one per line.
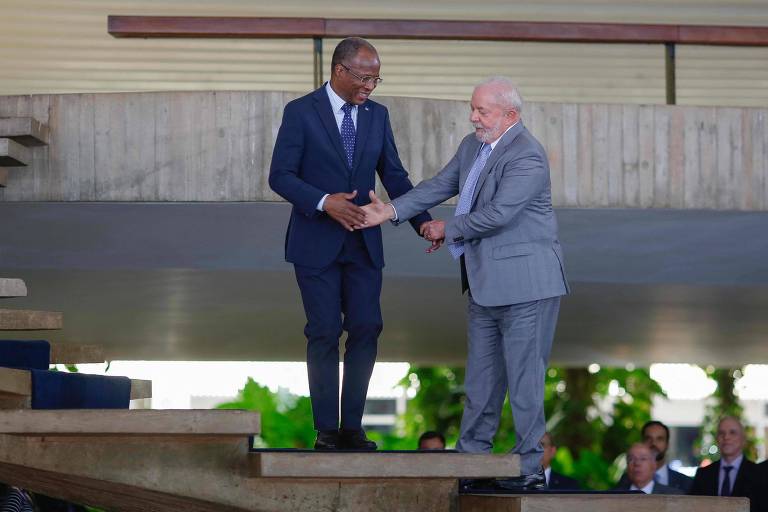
column 321, row 203
column 395, row 218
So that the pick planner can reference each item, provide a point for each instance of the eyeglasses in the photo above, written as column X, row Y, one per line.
column 366, row 80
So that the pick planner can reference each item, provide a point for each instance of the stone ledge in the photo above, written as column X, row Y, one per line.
column 27, row 131
column 308, row 464
column 13, row 154
column 25, row 320
column 12, row 287
column 138, row 422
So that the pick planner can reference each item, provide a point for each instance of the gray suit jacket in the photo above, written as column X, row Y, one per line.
column 512, row 253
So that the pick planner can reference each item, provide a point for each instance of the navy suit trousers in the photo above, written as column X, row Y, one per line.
column 344, row 296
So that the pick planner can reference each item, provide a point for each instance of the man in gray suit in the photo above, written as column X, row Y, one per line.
column 504, row 233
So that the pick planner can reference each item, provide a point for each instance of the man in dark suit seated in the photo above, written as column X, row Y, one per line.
column 656, row 436
column 641, row 467
column 733, row 474
column 555, row 480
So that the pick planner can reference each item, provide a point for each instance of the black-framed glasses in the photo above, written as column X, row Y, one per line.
column 366, row 80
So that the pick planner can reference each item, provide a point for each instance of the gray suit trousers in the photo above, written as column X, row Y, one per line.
column 508, row 350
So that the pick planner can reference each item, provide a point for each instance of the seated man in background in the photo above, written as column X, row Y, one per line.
column 641, row 467
column 555, row 480
column 733, row 474
column 431, row 440
column 656, row 436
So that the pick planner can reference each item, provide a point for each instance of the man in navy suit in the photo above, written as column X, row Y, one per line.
column 733, row 474
column 555, row 480
column 330, row 145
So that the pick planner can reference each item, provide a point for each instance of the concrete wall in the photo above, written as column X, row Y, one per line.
column 59, row 47
column 216, row 146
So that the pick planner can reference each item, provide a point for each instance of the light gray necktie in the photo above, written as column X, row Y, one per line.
column 467, row 193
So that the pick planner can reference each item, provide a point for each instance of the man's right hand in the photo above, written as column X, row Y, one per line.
column 341, row 208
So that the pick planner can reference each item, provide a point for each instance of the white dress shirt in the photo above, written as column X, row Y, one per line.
column 648, row 489
column 336, row 103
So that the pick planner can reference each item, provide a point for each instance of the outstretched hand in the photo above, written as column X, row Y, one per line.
column 341, row 208
column 377, row 212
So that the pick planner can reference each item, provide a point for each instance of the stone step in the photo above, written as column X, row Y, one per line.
column 599, row 503
column 439, row 464
column 13, row 154
column 71, row 353
column 14, row 382
column 25, row 320
column 197, row 474
column 27, row 131
column 138, row 422
column 12, row 288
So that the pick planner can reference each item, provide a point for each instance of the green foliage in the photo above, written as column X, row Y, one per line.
column 286, row 419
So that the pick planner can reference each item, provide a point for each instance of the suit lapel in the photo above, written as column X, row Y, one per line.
column 361, row 134
column 323, row 108
column 506, row 140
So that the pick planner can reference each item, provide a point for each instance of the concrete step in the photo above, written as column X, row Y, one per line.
column 13, row 154
column 139, row 422
column 71, row 353
column 27, row 131
column 14, row 382
column 599, row 503
column 25, row 320
column 311, row 464
column 199, row 474
column 12, row 288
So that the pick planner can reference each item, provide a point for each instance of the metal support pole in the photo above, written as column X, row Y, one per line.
column 670, row 72
column 317, row 52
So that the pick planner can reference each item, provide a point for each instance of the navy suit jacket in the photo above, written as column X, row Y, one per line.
column 309, row 162
column 558, row 481
column 747, row 480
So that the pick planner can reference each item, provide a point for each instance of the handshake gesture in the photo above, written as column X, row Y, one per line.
column 341, row 208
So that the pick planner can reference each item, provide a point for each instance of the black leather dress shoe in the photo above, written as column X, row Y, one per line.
column 355, row 440
column 327, row 440
column 533, row 482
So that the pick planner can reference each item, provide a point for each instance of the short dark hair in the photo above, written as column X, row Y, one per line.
column 431, row 434
column 348, row 48
column 652, row 423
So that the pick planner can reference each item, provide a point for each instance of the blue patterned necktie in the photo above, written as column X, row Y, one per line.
column 465, row 198
column 348, row 133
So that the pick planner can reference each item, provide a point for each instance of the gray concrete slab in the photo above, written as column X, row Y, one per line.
column 600, row 503
column 27, row 131
column 438, row 464
column 10, row 287
column 26, row 320
column 208, row 281
column 13, row 154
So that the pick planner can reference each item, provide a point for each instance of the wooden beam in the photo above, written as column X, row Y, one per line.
column 12, row 288
column 310, row 464
column 19, row 382
column 13, row 154
column 27, row 131
column 246, row 27
column 25, row 320
column 123, row 422
column 218, row 27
